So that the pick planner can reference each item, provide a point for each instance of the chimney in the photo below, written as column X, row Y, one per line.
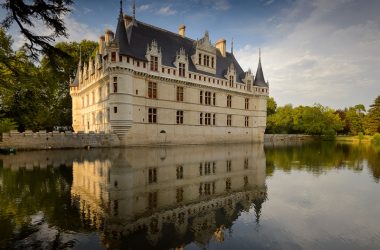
column 109, row 36
column 101, row 44
column 127, row 20
column 221, row 46
column 182, row 30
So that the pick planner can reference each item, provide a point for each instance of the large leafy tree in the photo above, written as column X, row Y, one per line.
column 26, row 15
column 372, row 120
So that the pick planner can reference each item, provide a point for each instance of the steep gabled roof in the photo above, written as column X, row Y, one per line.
column 140, row 35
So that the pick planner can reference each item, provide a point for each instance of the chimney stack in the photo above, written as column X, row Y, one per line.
column 109, row 36
column 221, row 46
column 182, row 30
column 127, row 20
column 101, row 44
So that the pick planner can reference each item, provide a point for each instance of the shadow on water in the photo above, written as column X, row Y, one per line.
column 137, row 198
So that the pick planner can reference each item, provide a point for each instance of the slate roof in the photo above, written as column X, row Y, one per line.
column 138, row 35
column 259, row 79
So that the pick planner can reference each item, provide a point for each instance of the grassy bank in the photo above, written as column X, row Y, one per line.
column 349, row 138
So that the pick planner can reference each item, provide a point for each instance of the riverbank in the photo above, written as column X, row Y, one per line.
column 353, row 139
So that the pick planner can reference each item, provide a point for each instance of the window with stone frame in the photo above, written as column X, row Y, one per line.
column 229, row 120
column 182, row 71
column 201, row 118
column 214, row 99
column 200, row 59
column 231, row 80
column 152, row 90
column 115, row 84
column 208, row 98
column 207, row 118
column 246, row 103
column 179, row 94
column 152, row 175
column 213, row 119
column 201, row 97
column 179, row 117
column 154, row 63
column 152, row 115
column 229, row 101
column 246, row 121
column 212, row 62
column 113, row 56
column 179, row 172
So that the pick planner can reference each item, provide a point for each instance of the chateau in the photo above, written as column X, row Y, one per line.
column 151, row 86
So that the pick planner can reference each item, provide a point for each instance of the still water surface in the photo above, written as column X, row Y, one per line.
column 314, row 196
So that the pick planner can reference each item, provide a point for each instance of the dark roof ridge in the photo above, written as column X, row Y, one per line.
column 168, row 31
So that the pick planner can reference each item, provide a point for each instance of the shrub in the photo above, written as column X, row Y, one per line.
column 7, row 125
column 376, row 138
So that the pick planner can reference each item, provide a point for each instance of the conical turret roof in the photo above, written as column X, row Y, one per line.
column 121, row 37
column 259, row 78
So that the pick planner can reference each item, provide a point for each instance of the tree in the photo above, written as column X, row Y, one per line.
column 372, row 120
column 26, row 14
column 271, row 106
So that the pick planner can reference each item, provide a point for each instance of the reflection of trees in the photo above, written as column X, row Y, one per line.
column 321, row 157
column 42, row 192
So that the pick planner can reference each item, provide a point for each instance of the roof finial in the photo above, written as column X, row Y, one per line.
column 259, row 54
column 232, row 45
column 121, row 7
column 134, row 9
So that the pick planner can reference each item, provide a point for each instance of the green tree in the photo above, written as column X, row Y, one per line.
column 271, row 106
column 27, row 14
column 372, row 120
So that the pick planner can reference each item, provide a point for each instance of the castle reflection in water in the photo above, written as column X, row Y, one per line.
column 169, row 197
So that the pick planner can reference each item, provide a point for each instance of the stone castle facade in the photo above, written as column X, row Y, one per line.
column 152, row 86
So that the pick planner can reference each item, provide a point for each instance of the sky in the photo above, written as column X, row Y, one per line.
column 319, row 51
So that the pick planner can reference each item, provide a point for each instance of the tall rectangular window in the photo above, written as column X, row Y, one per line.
column 179, row 116
column 229, row 165
column 115, row 110
column 201, row 118
column 179, row 172
column 113, row 57
column 246, row 106
column 115, row 84
column 100, row 93
column 154, row 63
column 246, row 121
column 231, row 81
column 152, row 175
column 152, row 90
column 152, row 115
column 213, row 119
column 229, row 120
column 207, row 119
column 152, row 201
column 214, row 99
column 208, row 98
column 182, row 71
column 201, row 97
column 229, row 99
column 200, row 59
column 212, row 62
column 179, row 94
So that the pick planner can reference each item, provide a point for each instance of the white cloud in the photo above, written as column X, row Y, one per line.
column 143, row 7
column 268, row 2
column 222, row 5
column 166, row 11
column 321, row 53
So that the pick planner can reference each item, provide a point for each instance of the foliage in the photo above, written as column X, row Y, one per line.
column 376, row 138
column 315, row 120
column 28, row 14
column 37, row 97
column 271, row 106
column 360, row 136
column 372, row 120
column 7, row 125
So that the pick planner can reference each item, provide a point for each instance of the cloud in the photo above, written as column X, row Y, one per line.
column 221, row 5
column 324, row 51
column 268, row 2
column 166, row 11
column 144, row 7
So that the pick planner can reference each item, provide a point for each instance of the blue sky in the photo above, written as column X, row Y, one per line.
column 320, row 51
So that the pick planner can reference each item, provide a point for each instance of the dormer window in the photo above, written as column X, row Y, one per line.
column 182, row 70
column 154, row 63
column 113, row 57
column 212, row 62
column 231, row 80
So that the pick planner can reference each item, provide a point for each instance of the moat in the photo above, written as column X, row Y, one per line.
column 311, row 196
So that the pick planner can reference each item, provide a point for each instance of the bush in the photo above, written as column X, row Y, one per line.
column 361, row 136
column 376, row 138
column 7, row 125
